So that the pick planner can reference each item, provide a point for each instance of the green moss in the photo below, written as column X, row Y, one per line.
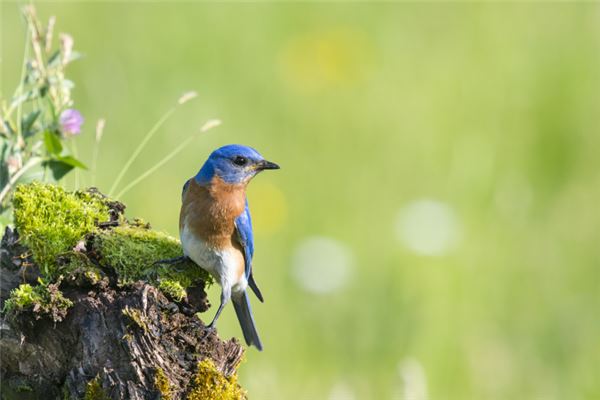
column 51, row 221
column 77, row 268
column 65, row 392
column 132, row 249
column 94, row 391
column 24, row 388
column 172, row 289
column 136, row 316
column 42, row 300
column 163, row 385
column 22, row 297
column 210, row 384
column 75, row 260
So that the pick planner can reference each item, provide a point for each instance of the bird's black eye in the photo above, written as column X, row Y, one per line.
column 239, row 160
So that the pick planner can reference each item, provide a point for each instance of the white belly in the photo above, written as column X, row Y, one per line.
column 221, row 264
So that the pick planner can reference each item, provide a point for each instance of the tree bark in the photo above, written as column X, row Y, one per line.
column 122, row 338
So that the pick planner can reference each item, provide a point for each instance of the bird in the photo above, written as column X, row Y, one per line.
column 215, row 228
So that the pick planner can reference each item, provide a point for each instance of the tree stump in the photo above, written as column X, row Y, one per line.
column 116, row 341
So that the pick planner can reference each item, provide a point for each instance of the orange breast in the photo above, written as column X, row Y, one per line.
column 210, row 211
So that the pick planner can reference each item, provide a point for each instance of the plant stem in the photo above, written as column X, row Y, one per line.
column 140, row 147
column 74, row 149
column 156, row 166
column 22, row 84
column 33, row 161
column 95, row 162
column 98, row 138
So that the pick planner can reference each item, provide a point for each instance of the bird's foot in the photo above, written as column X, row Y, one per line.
column 152, row 272
column 171, row 261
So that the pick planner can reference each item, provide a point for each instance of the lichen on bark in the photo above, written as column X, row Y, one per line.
column 209, row 383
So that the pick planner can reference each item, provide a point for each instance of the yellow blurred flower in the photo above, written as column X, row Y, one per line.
column 318, row 60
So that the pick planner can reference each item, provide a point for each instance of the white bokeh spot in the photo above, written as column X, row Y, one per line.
column 322, row 264
column 413, row 380
column 341, row 391
column 428, row 227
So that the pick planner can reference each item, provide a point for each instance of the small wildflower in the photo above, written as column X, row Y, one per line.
column 187, row 97
column 71, row 121
column 211, row 123
column 66, row 46
column 100, row 129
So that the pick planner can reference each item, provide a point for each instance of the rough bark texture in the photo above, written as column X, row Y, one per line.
column 118, row 336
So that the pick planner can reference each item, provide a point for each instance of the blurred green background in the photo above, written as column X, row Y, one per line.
column 434, row 231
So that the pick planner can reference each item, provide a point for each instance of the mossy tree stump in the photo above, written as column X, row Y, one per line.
column 87, row 316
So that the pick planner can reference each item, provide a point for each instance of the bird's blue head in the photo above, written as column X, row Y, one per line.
column 234, row 164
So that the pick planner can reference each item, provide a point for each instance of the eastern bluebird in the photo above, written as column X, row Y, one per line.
column 216, row 230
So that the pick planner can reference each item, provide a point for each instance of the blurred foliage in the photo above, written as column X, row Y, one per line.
column 37, row 119
column 491, row 109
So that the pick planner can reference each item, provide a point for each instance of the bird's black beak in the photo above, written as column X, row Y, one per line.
column 264, row 164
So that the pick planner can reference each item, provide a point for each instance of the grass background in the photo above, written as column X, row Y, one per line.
column 491, row 109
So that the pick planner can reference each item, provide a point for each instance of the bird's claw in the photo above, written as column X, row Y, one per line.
column 170, row 261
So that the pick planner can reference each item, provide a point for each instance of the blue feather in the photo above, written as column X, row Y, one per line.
column 243, row 225
column 220, row 164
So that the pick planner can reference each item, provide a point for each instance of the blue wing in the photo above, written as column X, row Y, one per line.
column 243, row 225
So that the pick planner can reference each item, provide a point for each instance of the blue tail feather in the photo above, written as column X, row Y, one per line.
column 241, row 303
column 255, row 288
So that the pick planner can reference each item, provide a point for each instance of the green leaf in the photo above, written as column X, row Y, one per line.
column 52, row 143
column 58, row 168
column 72, row 161
column 30, row 95
column 43, row 90
column 74, row 56
column 32, row 76
column 54, row 59
column 4, row 153
column 67, row 84
column 6, row 129
column 28, row 122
